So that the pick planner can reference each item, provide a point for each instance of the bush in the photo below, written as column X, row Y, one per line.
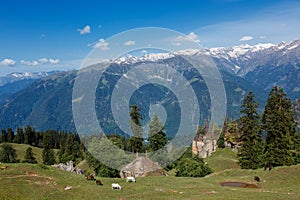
column 192, row 167
column 104, row 171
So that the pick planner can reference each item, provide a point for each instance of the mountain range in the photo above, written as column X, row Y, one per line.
column 14, row 82
column 45, row 99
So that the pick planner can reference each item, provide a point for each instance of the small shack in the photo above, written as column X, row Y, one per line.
column 142, row 167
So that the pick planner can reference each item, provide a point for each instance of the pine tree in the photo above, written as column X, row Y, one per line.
column 136, row 141
column 8, row 153
column 135, row 115
column 29, row 156
column 4, row 136
column 157, row 137
column 221, row 140
column 10, row 135
column 251, row 148
column 28, row 135
column 279, row 124
column 20, row 136
column 71, row 149
column 48, row 155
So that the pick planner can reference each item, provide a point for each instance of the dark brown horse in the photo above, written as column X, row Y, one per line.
column 98, row 182
column 90, row 177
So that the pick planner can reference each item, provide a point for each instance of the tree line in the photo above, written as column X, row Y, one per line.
column 266, row 139
column 68, row 144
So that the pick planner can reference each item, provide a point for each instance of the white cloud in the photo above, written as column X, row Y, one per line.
column 7, row 62
column 85, row 30
column 191, row 36
column 29, row 63
column 246, row 38
column 262, row 37
column 101, row 44
column 43, row 60
column 129, row 43
column 53, row 61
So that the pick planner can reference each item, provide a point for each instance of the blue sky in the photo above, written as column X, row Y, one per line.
column 45, row 35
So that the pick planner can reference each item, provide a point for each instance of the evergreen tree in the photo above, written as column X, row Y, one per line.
column 136, row 141
column 221, row 141
column 71, row 149
column 10, row 135
column 157, row 136
column 135, row 115
column 48, row 155
column 20, row 136
column 279, row 124
column 29, row 156
column 8, row 153
column 4, row 136
column 251, row 148
column 28, row 135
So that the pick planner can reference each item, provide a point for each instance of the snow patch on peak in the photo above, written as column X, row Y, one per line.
column 262, row 46
column 281, row 45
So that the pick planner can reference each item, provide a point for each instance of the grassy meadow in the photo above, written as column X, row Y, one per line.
column 27, row 181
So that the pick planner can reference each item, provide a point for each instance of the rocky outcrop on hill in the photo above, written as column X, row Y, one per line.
column 204, row 146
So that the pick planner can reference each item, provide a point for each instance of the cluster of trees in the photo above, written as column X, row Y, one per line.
column 157, row 137
column 270, row 137
column 68, row 144
column 8, row 154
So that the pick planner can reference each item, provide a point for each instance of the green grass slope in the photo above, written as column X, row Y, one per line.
column 21, row 150
column 223, row 159
column 26, row 181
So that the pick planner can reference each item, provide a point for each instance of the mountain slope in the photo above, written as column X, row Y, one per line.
column 47, row 103
column 265, row 65
column 15, row 82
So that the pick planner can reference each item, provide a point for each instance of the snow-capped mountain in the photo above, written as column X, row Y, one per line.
column 265, row 65
column 240, row 59
column 244, row 59
column 17, row 76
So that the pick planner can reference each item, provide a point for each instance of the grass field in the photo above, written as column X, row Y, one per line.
column 26, row 181
column 21, row 149
column 222, row 159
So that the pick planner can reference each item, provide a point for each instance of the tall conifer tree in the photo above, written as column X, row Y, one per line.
column 251, row 149
column 136, row 141
column 279, row 124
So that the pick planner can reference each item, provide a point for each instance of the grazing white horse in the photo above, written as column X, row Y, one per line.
column 130, row 179
column 116, row 186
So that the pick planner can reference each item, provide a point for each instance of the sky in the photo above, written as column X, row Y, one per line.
column 57, row 35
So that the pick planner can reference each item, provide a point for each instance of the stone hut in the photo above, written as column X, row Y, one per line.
column 142, row 167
